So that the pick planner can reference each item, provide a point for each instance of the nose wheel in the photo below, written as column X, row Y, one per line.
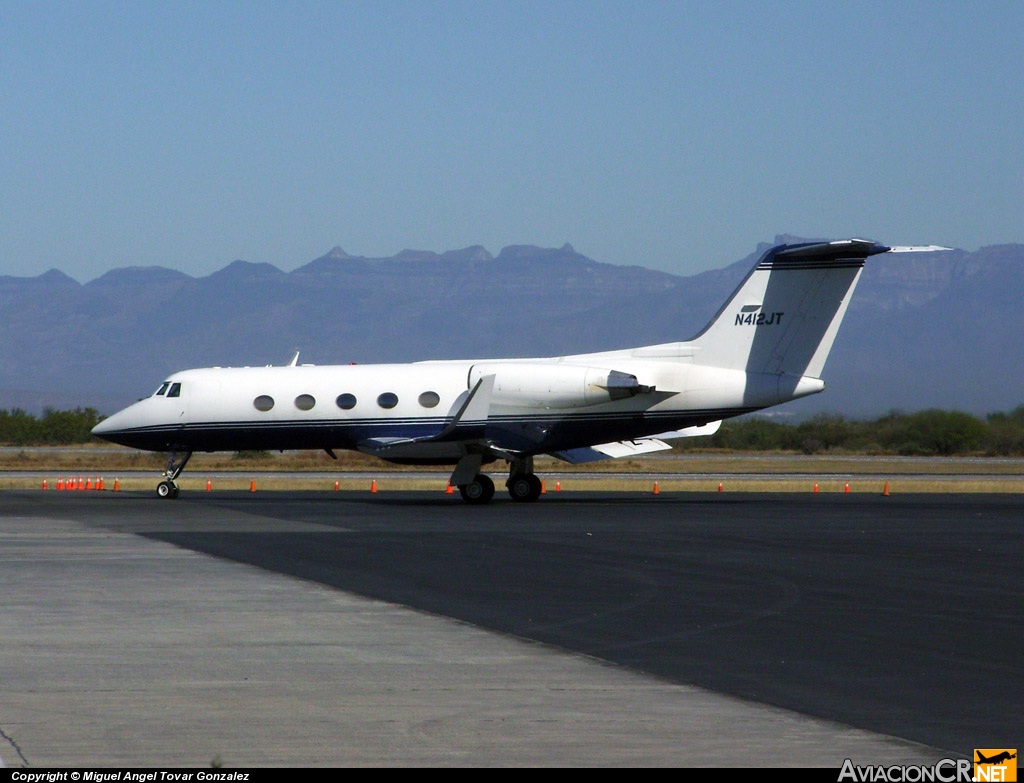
column 168, row 488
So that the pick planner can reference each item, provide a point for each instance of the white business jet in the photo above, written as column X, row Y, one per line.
column 766, row 346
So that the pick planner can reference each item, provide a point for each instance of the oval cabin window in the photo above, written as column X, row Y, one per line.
column 346, row 401
column 429, row 399
column 263, row 403
column 305, row 402
column 388, row 400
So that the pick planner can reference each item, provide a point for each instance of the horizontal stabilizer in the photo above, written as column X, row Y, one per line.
column 917, row 248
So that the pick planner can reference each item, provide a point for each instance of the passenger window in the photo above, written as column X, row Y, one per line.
column 263, row 403
column 388, row 400
column 429, row 399
column 175, row 390
column 163, row 387
column 346, row 401
column 305, row 402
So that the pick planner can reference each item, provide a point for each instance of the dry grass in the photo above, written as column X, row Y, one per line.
column 108, row 457
column 674, row 472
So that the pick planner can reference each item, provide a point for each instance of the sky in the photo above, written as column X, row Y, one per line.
column 673, row 135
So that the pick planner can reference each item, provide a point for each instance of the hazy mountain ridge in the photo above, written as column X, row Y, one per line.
column 934, row 329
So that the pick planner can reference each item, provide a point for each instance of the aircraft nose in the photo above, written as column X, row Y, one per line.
column 104, row 427
column 110, row 427
column 140, row 426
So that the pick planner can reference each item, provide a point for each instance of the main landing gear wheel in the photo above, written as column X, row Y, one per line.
column 524, row 487
column 167, row 489
column 479, row 491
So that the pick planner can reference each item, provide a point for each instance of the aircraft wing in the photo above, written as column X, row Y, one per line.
column 691, row 432
column 630, row 448
column 620, row 448
column 465, row 428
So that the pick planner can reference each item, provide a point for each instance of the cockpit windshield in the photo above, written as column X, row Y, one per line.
column 162, row 390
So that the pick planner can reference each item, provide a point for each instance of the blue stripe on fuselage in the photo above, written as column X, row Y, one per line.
column 534, row 433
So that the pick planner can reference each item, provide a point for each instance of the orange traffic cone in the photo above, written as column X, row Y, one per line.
column 209, row 485
column 337, row 486
column 656, row 490
column 847, row 490
column 558, row 486
column 373, row 485
column 252, row 485
column 117, row 485
column 815, row 488
column 885, row 492
column 449, row 490
column 720, row 488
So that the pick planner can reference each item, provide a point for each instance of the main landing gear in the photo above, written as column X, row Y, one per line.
column 168, row 488
column 479, row 491
column 523, row 485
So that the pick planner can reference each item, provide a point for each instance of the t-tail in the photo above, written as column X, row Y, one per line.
column 784, row 316
column 779, row 325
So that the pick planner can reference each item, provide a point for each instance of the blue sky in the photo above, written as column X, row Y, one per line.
column 675, row 135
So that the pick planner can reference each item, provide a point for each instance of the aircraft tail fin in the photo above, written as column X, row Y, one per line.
column 784, row 316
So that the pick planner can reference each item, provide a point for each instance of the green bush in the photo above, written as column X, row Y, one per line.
column 926, row 433
column 54, row 428
column 1005, row 434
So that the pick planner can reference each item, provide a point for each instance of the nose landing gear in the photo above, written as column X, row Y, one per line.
column 168, row 488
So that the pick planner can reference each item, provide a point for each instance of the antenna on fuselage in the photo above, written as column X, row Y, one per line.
column 295, row 360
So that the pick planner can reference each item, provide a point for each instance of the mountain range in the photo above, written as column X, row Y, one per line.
column 924, row 330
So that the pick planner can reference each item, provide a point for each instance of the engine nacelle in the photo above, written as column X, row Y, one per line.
column 550, row 385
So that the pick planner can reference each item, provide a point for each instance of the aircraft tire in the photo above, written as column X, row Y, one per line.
column 479, row 491
column 167, row 489
column 524, row 488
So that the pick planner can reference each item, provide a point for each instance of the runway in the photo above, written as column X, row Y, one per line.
column 616, row 628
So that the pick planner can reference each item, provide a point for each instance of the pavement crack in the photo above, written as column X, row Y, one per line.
column 13, row 744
